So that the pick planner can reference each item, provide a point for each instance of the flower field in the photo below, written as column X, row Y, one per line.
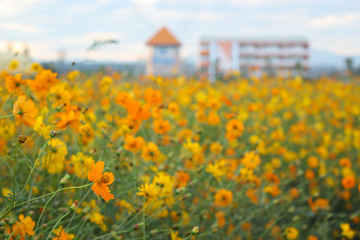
column 101, row 156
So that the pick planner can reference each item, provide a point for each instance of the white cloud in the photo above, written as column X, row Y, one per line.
column 335, row 20
column 163, row 15
column 88, row 6
column 258, row 3
column 247, row 2
column 13, row 26
column 13, row 8
column 146, row 2
column 343, row 47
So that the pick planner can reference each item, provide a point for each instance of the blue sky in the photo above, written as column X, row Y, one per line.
column 48, row 26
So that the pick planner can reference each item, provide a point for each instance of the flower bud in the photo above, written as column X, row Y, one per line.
column 195, row 230
column 153, row 232
column 136, row 227
column 53, row 133
column 65, row 179
column 180, row 191
column 74, row 205
column 41, row 236
column 22, row 139
column 214, row 228
column 186, row 196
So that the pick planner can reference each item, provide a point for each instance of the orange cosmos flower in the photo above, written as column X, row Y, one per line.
column 309, row 174
column 151, row 152
column 123, row 99
column 23, row 227
column 12, row 84
column 42, row 83
column 25, row 110
column 348, row 182
column 313, row 162
column 345, row 162
column 234, row 129
column 213, row 118
column 223, row 198
column 47, row 77
column 319, row 204
column 69, row 118
column 312, row 237
column 220, row 219
column 40, row 88
column 161, row 126
column 61, row 234
column 153, row 97
column 173, row 108
column 294, row 193
column 133, row 144
column 136, row 111
column 101, row 181
column 246, row 226
column 182, row 178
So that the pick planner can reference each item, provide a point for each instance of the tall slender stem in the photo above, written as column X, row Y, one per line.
column 62, row 217
column 13, row 186
column 144, row 228
column 42, row 212
column 48, row 194
column 7, row 99
column 7, row 116
column 32, row 170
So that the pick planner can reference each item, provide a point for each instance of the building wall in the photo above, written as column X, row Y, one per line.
column 221, row 55
column 163, row 60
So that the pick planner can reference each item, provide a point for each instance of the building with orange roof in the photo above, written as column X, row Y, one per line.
column 164, row 56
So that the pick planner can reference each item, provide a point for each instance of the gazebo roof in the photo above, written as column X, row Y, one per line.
column 163, row 38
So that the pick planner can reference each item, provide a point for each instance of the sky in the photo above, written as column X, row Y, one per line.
column 51, row 26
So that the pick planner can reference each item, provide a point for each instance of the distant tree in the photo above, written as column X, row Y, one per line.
column 349, row 65
column 298, row 68
column 268, row 65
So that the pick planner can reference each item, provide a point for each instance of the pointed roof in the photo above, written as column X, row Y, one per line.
column 163, row 38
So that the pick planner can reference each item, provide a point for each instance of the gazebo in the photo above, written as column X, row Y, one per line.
column 163, row 57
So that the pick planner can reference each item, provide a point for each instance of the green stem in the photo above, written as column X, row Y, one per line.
column 7, row 99
column 188, row 237
column 137, row 214
column 108, row 234
column 63, row 216
column 6, row 116
column 32, row 170
column 13, row 187
column 48, row 194
column 143, row 215
column 75, row 140
column 42, row 212
column 80, row 202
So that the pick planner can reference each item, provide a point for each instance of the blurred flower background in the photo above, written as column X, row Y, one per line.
column 179, row 120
